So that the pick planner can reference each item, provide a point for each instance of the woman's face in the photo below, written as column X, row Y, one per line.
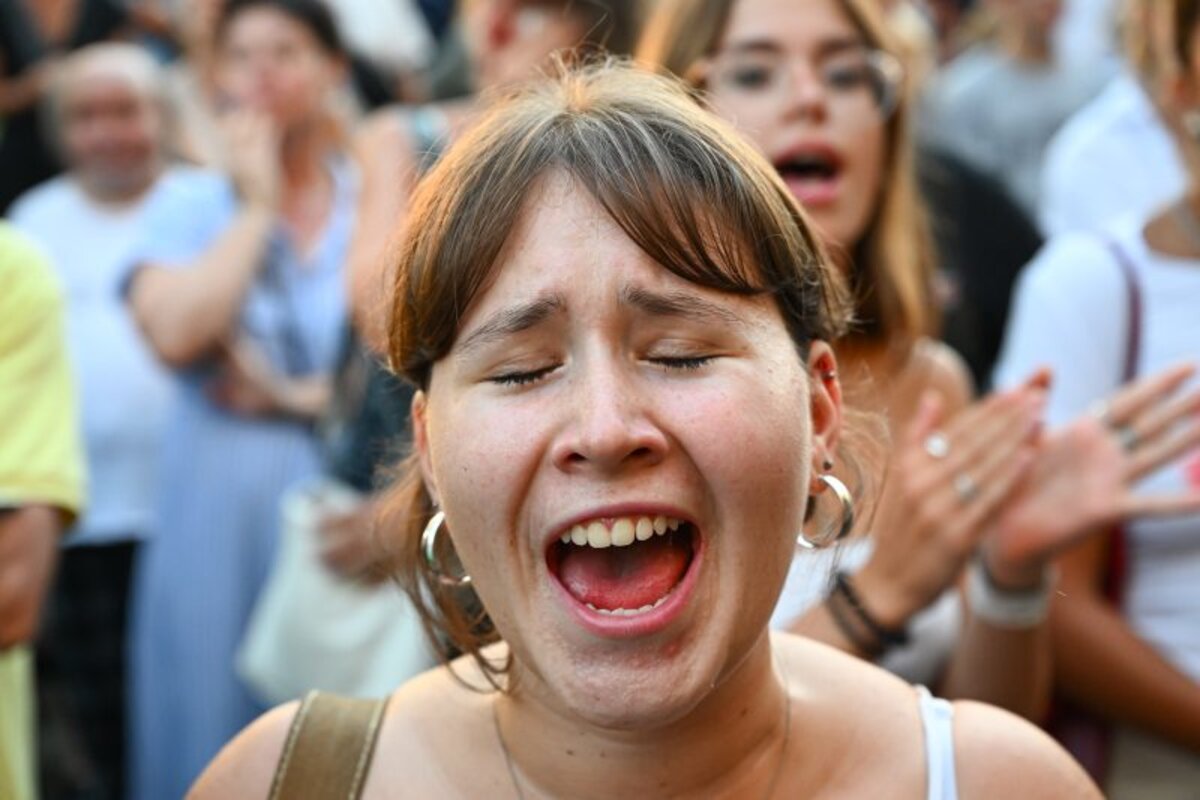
column 605, row 435
column 270, row 62
column 797, row 78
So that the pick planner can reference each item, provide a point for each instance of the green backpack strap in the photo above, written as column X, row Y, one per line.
column 328, row 750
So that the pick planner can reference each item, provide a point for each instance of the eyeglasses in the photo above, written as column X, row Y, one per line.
column 852, row 79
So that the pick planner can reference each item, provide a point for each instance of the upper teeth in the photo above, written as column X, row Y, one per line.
column 622, row 532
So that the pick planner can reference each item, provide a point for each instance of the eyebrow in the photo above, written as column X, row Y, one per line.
column 824, row 49
column 512, row 320
column 678, row 304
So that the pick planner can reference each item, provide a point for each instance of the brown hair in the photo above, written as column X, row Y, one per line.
column 1157, row 37
column 683, row 185
column 892, row 273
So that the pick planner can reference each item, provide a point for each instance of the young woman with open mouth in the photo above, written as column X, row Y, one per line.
column 617, row 319
column 817, row 86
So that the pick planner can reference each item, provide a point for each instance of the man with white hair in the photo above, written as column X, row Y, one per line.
column 109, row 119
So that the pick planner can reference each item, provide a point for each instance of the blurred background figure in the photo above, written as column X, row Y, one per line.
column 33, row 35
column 108, row 110
column 41, row 484
column 997, row 104
column 239, row 287
column 1100, row 306
column 1089, row 176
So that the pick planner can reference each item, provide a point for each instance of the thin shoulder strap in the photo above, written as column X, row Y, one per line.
column 937, row 721
column 329, row 748
column 1133, row 299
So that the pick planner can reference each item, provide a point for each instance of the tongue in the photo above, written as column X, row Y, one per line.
column 625, row 577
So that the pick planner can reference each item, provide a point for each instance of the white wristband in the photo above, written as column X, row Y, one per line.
column 1007, row 609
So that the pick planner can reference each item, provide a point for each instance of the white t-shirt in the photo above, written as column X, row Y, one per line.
column 1111, row 159
column 124, row 392
column 1070, row 312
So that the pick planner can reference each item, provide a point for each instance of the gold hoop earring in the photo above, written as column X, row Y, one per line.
column 433, row 564
column 847, row 524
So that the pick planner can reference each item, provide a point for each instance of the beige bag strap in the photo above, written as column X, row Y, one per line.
column 328, row 751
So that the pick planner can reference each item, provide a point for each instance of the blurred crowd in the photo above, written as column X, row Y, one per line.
column 196, row 418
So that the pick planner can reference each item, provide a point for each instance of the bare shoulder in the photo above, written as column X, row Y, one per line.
column 869, row 720
column 989, row 743
column 246, row 766
column 941, row 368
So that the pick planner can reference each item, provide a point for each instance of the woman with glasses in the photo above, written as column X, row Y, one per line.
column 594, row 287
column 973, row 494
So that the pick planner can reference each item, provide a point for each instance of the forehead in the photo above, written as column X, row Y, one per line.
column 259, row 25
column 565, row 241
column 107, row 83
column 788, row 24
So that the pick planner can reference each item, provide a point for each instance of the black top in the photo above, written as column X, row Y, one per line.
column 983, row 240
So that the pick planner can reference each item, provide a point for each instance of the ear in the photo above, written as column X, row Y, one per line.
column 501, row 25
column 420, row 421
column 825, row 403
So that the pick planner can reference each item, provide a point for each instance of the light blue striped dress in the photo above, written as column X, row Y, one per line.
column 223, row 476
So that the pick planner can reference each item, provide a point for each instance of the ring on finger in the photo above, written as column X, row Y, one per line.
column 1102, row 411
column 965, row 487
column 1127, row 437
column 936, row 445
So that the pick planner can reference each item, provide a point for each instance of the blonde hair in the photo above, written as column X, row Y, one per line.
column 893, row 261
column 683, row 185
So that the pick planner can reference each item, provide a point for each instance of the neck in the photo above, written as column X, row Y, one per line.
column 730, row 745
column 1027, row 45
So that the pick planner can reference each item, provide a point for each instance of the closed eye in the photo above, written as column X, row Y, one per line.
column 682, row 362
column 521, row 378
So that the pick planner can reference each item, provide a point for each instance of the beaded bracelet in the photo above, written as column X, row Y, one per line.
column 862, row 641
column 887, row 637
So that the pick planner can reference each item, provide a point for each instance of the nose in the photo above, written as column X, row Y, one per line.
column 807, row 97
column 610, row 428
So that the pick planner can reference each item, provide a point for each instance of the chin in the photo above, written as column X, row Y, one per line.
column 632, row 699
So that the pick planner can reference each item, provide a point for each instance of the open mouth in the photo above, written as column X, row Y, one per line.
column 624, row 566
column 812, row 175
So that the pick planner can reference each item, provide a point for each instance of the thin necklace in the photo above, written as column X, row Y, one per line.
column 787, row 733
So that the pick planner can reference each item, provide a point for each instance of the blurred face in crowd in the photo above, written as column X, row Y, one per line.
column 1031, row 16
column 621, row 515
column 509, row 39
column 799, row 79
column 271, row 62
column 112, row 123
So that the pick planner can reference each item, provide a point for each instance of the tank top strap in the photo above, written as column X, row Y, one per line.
column 937, row 721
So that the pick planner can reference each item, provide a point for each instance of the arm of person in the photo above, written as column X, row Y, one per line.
column 206, row 246
column 1000, row 756
column 384, row 151
column 246, row 766
column 1103, row 665
column 29, row 539
column 22, row 91
column 1006, row 667
column 41, row 459
column 186, row 312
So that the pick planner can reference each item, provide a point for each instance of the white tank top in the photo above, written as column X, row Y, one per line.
column 937, row 721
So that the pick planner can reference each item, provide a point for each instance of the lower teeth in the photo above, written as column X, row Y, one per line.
column 629, row 612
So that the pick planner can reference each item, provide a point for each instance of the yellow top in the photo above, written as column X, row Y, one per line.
column 41, row 458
